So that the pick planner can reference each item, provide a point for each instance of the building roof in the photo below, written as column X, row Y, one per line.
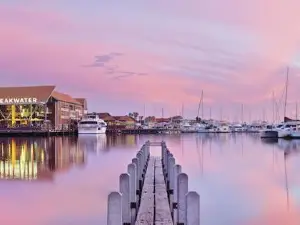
column 82, row 101
column 124, row 118
column 109, row 118
column 103, row 115
column 162, row 120
column 64, row 98
column 41, row 93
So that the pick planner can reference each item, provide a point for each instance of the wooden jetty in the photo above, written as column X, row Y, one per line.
column 154, row 191
column 35, row 132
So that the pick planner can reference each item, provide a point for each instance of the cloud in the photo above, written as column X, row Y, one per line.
column 101, row 60
column 174, row 50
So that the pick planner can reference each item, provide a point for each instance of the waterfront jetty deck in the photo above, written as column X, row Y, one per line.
column 153, row 191
column 29, row 132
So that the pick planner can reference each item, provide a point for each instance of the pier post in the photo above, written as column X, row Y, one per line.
column 182, row 184
column 166, row 163
column 164, row 158
column 170, row 156
column 171, row 181
column 125, row 190
column 192, row 208
column 135, row 162
column 132, row 193
column 143, row 157
column 114, row 209
column 177, row 171
column 140, row 169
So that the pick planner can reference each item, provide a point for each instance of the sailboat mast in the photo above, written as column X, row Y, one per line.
column 286, row 91
column 242, row 115
column 250, row 115
column 202, row 113
column 273, row 107
column 296, row 110
column 221, row 113
column 199, row 106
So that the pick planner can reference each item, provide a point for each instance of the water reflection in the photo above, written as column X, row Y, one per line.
column 38, row 159
column 102, row 142
column 241, row 179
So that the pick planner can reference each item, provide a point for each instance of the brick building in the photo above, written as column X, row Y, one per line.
column 37, row 106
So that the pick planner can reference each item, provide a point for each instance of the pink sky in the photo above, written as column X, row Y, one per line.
column 121, row 56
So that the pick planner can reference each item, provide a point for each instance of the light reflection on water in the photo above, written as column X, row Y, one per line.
column 241, row 179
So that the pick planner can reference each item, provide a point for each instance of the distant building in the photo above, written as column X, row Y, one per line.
column 126, row 121
column 162, row 120
column 110, row 120
column 36, row 105
column 118, row 122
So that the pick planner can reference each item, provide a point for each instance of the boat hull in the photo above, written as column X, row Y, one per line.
column 269, row 134
column 284, row 133
column 294, row 135
column 92, row 130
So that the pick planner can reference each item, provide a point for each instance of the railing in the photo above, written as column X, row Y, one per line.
column 182, row 205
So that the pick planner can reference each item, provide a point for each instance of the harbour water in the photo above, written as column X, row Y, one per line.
column 241, row 179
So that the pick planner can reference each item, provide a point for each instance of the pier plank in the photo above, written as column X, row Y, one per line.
column 146, row 210
column 162, row 208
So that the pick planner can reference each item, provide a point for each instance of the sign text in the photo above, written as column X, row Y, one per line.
column 8, row 101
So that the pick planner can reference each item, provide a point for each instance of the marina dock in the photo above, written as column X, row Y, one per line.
column 153, row 191
column 35, row 133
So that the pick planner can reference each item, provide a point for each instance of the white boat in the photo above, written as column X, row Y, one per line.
column 255, row 128
column 282, row 130
column 295, row 133
column 270, row 131
column 92, row 124
column 186, row 127
column 238, row 128
column 289, row 129
column 223, row 129
column 202, row 128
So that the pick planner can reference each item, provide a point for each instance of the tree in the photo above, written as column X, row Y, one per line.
column 130, row 114
column 150, row 119
column 135, row 115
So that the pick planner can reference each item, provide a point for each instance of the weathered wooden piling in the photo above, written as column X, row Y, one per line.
column 171, row 180
column 182, row 184
column 114, row 209
column 192, row 208
column 177, row 171
column 131, row 169
column 125, row 191
column 154, row 191
column 137, row 190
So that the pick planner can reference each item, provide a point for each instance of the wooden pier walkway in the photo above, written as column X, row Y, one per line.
column 154, row 191
column 154, row 208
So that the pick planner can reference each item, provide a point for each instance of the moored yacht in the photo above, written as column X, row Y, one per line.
column 92, row 124
column 270, row 131
column 186, row 127
column 223, row 129
column 202, row 128
column 295, row 132
column 288, row 129
column 237, row 128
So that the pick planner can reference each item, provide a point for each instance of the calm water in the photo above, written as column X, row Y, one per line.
column 241, row 180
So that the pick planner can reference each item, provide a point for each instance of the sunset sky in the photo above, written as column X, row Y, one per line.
column 121, row 55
